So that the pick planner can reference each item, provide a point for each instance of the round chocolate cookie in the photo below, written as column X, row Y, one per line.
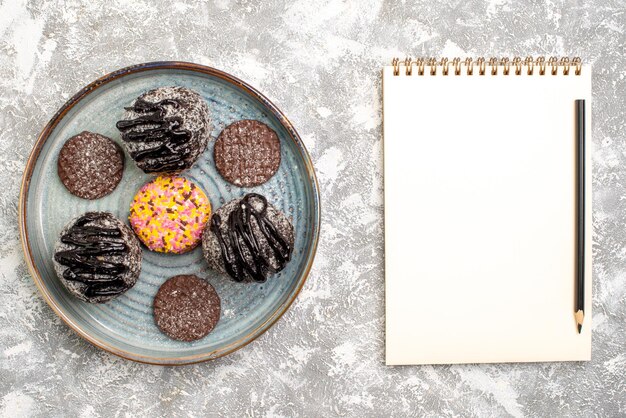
column 166, row 129
column 90, row 165
column 186, row 308
column 247, row 153
column 97, row 257
column 248, row 238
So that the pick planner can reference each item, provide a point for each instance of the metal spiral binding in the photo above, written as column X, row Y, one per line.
column 516, row 64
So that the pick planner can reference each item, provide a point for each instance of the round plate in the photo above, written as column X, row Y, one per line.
column 125, row 326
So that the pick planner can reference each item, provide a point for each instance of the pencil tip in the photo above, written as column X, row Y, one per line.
column 579, row 315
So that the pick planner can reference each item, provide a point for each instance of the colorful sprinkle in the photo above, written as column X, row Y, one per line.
column 168, row 214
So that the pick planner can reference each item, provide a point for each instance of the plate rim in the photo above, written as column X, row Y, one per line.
column 26, row 181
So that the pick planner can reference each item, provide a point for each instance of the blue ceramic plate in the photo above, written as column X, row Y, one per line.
column 125, row 326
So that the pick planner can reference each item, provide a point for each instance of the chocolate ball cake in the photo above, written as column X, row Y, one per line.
column 248, row 239
column 166, row 129
column 97, row 257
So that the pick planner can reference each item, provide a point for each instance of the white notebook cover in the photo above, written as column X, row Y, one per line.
column 480, row 217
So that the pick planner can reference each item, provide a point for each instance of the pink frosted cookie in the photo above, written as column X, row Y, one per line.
column 168, row 214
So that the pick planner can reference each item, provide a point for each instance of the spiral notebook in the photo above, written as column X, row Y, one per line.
column 480, row 245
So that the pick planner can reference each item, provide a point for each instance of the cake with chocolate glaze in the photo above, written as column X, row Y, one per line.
column 166, row 129
column 248, row 239
column 97, row 257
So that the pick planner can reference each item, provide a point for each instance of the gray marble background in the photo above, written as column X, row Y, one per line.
column 320, row 62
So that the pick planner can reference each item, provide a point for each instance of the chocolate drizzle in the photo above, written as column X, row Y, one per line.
column 170, row 144
column 241, row 250
column 87, row 262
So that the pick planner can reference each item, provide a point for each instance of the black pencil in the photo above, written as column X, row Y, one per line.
column 580, row 214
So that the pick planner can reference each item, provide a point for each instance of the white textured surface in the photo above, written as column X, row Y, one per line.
column 320, row 63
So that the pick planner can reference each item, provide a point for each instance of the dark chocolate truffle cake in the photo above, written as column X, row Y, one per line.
column 166, row 129
column 97, row 257
column 248, row 238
